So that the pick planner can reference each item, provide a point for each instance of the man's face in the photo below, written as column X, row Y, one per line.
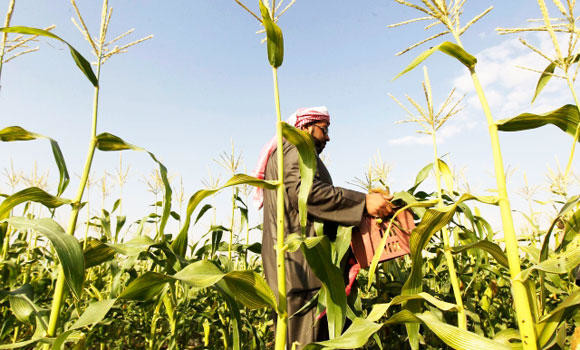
column 319, row 132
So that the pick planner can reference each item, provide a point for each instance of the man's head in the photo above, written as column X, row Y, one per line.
column 315, row 121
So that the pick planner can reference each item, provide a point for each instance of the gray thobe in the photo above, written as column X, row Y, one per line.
column 326, row 203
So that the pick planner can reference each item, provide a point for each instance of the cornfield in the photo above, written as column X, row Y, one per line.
column 77, row 273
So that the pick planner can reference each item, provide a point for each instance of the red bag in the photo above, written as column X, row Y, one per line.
column 369, row 234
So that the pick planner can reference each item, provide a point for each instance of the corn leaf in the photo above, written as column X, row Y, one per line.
column 31, row 194
column 307, row 164
column 66, row 337
column 548, row 324
column 446, row 174
column 356, row 336
column 455, row 337
column 433, row 220
column 544, row 79
column 571, row 230
column 110, row 142
column 179, row 245
column 67, row 249
column 487, row 246
column 560, row 263
column 97, row 252
column 332, row 293
column 447, row 47
column 94, row 313
column 251, row 289
column 274, row 37
column 421, row 176
column 566, row 118
column 146, row 286
column 80, row 61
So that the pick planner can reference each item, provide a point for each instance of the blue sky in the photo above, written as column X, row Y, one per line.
column 204, row 80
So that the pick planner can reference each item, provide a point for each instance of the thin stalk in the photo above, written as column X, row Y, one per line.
column 282, row 322
column 577, row 133
column 59, row 290
column 461, row 317
column 5, row 35
column 520, row 292
column 522, row 300
column 232, row 224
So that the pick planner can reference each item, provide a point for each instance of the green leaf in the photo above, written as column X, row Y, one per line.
column 560, row 263
column 356, row 336
column 94, row 313
column 146, row 286
column 332, row 293
column 179, row 245
column 544, row 78
column 433, row 220
column 447, row 47
column 80, row 61
column 453, row 336
column 63, row 338
column 200, row 274
column 566, row 118
column 67, row 248
column 487, row 246
column 203, row 210
column 421, row 176
column 274, row 37
column 571, row 230
column 133, row 247
column 31, row 194
column 307, row 164
column 110, row 142
column 97, row 252
column 549, row 323
column 446, row 174
column 341, row 243
column 251, row 289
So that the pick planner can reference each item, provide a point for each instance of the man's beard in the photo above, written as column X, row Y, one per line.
column 319, row 145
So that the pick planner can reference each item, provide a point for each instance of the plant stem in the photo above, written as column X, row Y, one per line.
column 59, row 289
column 520, row 292
column 232, row 224
column 577, row 133
column 282, row 322
column 5, row 35
column 461, row 317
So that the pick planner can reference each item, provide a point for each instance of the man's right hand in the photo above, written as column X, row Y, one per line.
column 377, row 204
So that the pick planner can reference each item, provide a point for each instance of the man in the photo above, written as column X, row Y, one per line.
column 326, row 203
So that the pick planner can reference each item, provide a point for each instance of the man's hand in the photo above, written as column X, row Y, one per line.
column 377, row 204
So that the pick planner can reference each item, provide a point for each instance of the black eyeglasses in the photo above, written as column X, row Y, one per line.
column 324, row 130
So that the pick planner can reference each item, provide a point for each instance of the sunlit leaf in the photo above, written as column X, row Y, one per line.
column 447, row 47
column 179, row 245
column 307, row 164
column 110, row 142
column 274, row 37
column 31, row 194
column 566, row 118
column 544, row 79
column 487, row 246
column 80, row 61
column 67, row 249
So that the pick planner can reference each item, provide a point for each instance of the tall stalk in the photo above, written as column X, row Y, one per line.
column 5, row 35
column 59, row 291
column 449, row 16
column 520, row 293
column 282, row 322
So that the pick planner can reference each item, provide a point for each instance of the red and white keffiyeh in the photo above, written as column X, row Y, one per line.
column 300, row 118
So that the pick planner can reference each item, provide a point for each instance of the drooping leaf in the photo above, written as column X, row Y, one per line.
column 421, row 176
column 453, row 336
column 251, row 289
column 110, row 142
column 97, row 252
column 307, row 164
column 446, row 174
column 356, row 336
column 94, row 313
column 146, row 286
column 565, row 118
column 332, row 293
column 203, row 210
column 487, row 246
column 80, row 61
column 562, row 262
column 67, row 248
column 275, row 41
column 544, row 79
column 31, row 194
column 200, row 274
column 179, row 245
column 447, row 47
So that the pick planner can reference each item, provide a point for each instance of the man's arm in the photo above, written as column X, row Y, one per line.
column 327, row 202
